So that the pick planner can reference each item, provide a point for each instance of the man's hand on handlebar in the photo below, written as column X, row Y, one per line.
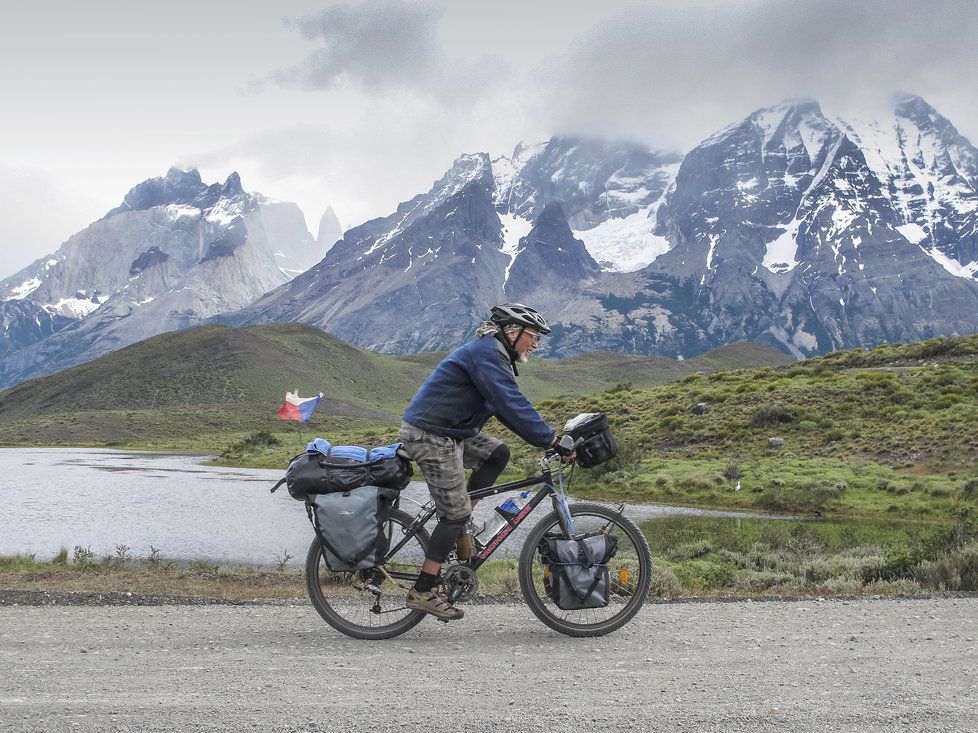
column 566, row 447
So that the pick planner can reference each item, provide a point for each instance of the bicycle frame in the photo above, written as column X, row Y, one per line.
column 546, row 488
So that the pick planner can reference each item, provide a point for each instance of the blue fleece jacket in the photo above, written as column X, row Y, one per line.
column 469, row 386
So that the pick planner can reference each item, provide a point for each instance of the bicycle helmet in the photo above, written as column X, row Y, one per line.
column 520, row 315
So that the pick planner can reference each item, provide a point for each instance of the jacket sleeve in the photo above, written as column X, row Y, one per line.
column 494, row 379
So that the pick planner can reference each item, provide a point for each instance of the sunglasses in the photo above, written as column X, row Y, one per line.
column 534, row 337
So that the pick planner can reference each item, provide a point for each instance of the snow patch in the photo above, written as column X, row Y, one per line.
column 780, row 255
column 24, row 289
column 224, row 212
column 74, row 307
column 627, row 244
column 913, row 232
column 514, row 229
column 953, row 266
column 179, row 211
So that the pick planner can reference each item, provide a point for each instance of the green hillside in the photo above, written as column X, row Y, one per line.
column 885, row 432
column 205, row 387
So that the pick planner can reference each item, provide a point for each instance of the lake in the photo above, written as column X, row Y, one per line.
column 100, row 499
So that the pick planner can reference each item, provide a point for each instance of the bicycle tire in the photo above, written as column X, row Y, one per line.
column 344, row 603
column 628, row 597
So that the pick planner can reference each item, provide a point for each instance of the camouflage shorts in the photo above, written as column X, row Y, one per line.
column 443, row 462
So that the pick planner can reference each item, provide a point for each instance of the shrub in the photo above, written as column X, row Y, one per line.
column 806, row 497
column 771, row 414
column 953, row 571
column 665, row 583
column 732, row 471
column 690, row 550
column 83, row 557
column 62, row 557
column 764, row 580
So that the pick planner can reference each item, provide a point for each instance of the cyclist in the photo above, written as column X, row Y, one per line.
column 442, row 432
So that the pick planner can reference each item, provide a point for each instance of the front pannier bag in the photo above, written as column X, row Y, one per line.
column 352, row 526
column 599, row 442
column 326, row 469
column 576, row 571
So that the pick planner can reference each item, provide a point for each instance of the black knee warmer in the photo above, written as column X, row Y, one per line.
column 489, row 471
column 443, row 538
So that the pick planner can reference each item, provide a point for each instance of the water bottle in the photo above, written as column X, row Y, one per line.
column 506, row 511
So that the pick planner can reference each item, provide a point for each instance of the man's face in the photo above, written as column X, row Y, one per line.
column 526, row 343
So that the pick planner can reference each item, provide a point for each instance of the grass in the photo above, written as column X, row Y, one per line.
column 751, row 556
column 888, row 432
column 209, row 387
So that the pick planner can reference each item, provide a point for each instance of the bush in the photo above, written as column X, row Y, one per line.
column 690, row 550
column 773, row 414
column 808, row 496
column 764, row 580
column 250, row 444
column 665, row 583
column 953, row 571
column 83, row 557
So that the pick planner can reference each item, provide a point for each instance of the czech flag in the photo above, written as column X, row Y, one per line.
column 298, row 408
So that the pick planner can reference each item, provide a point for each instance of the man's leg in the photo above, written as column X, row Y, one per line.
column 440, row 460
column 487, row 457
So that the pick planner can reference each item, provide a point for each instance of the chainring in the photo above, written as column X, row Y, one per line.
column 461, row 582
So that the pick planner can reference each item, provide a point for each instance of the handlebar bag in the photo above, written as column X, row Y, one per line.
column 599, row 443
column 326, row 469
column 576, row 571
column 352, row 526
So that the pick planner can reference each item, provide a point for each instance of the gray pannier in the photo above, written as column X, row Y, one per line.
column 577, row 570
column 352, row 526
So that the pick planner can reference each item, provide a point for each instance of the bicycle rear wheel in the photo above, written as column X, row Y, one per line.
column 369, row 604
column 630, row 572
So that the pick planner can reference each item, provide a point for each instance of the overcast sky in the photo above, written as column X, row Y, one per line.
column 361, row 105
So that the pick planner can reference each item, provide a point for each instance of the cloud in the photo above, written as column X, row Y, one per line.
column 681, row 71
column 378, row 46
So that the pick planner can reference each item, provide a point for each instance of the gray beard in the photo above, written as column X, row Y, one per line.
column 524, row 357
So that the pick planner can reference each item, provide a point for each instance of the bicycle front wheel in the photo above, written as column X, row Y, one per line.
column 369, row 604
column 630, row 572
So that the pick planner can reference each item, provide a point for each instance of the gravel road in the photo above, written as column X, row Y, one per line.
column 833, row 665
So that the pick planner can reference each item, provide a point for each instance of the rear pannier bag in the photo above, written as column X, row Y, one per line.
column 352, row 526
column 326, row 469
column 599, row 442
column 576, row 574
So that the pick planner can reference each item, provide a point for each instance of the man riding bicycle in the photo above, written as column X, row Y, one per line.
column 442, row 432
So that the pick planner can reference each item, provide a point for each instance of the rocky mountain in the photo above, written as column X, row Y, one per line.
column 790, row 228
column 175, row 252
column 482, row 234
column 801, row 232
column 330, row 230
